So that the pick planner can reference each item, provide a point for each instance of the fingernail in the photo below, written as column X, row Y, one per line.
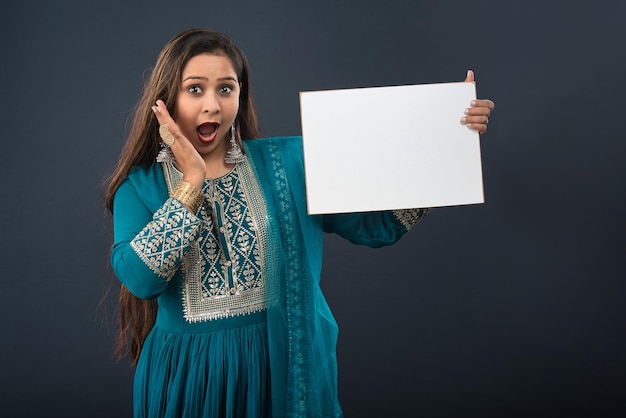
column 155, row 109
column 466, row 111
column 468, row 73
column 473, row 103
column 463, row 120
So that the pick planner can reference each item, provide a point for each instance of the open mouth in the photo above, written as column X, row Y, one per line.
column 207, row 132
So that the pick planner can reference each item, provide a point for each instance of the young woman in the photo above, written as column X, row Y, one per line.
column 220, row 305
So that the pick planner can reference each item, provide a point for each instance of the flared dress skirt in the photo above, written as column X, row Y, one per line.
column 223, row 373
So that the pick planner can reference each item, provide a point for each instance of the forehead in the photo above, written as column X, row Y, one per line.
column 209, row 65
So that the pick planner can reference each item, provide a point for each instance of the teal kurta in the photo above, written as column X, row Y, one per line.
column 242, row 326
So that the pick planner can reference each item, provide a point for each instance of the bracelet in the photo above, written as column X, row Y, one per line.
column 187, row 194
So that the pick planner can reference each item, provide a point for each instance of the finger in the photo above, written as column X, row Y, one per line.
column 468, row 120
column 162, row 114
column 470, row 76
column 161, row 118
column 483, row 103
column 479, row 127
column 477, row 111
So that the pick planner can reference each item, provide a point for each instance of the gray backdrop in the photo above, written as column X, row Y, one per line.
column 513, row 308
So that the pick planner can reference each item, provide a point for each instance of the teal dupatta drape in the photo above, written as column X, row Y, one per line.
column 302, row 332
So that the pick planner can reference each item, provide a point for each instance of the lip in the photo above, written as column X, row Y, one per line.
column 207, row 139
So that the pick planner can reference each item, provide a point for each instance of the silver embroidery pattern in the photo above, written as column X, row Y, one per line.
column 161, row 243
column 410, row 217
column 223, row 273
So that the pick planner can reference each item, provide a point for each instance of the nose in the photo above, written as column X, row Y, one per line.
column 210, row 104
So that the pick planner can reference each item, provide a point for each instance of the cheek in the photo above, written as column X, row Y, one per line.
column 181, row 111
column 235, row 107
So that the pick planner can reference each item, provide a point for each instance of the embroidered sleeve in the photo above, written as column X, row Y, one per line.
column 410, row 217
column 374, row 229
column 163, row 242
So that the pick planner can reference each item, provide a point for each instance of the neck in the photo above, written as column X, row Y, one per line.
column 215, row 165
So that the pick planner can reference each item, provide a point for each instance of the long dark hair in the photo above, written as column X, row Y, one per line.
column 137, row 316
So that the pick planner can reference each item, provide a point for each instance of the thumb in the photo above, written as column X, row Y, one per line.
column 470, row 76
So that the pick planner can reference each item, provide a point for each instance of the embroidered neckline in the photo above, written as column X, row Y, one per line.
column 223, row 273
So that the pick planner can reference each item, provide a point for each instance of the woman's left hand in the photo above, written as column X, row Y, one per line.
column 477, row 114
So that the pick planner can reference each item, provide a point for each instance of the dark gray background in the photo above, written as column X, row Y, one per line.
column 514, row 308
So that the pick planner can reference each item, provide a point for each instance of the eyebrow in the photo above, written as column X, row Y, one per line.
column 196, row 77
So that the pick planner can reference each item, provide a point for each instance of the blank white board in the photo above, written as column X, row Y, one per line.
column 384, row 148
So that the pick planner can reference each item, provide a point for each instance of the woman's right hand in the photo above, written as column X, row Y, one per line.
column 188, row 160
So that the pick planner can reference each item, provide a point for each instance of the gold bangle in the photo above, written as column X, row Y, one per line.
column 187, row 194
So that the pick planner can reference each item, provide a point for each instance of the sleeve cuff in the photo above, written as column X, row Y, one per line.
column 162, row 244
column 410, row 217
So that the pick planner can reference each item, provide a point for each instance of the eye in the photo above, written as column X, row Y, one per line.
column 226, row 90
column 194, row 89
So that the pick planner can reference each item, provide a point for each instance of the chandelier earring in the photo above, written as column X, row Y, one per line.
column 165, row 155
column 234, row 154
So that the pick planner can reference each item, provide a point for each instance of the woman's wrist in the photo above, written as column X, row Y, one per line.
column 189, row 195
column 196, row 179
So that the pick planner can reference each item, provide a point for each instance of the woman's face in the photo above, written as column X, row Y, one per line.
column 208, row 102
